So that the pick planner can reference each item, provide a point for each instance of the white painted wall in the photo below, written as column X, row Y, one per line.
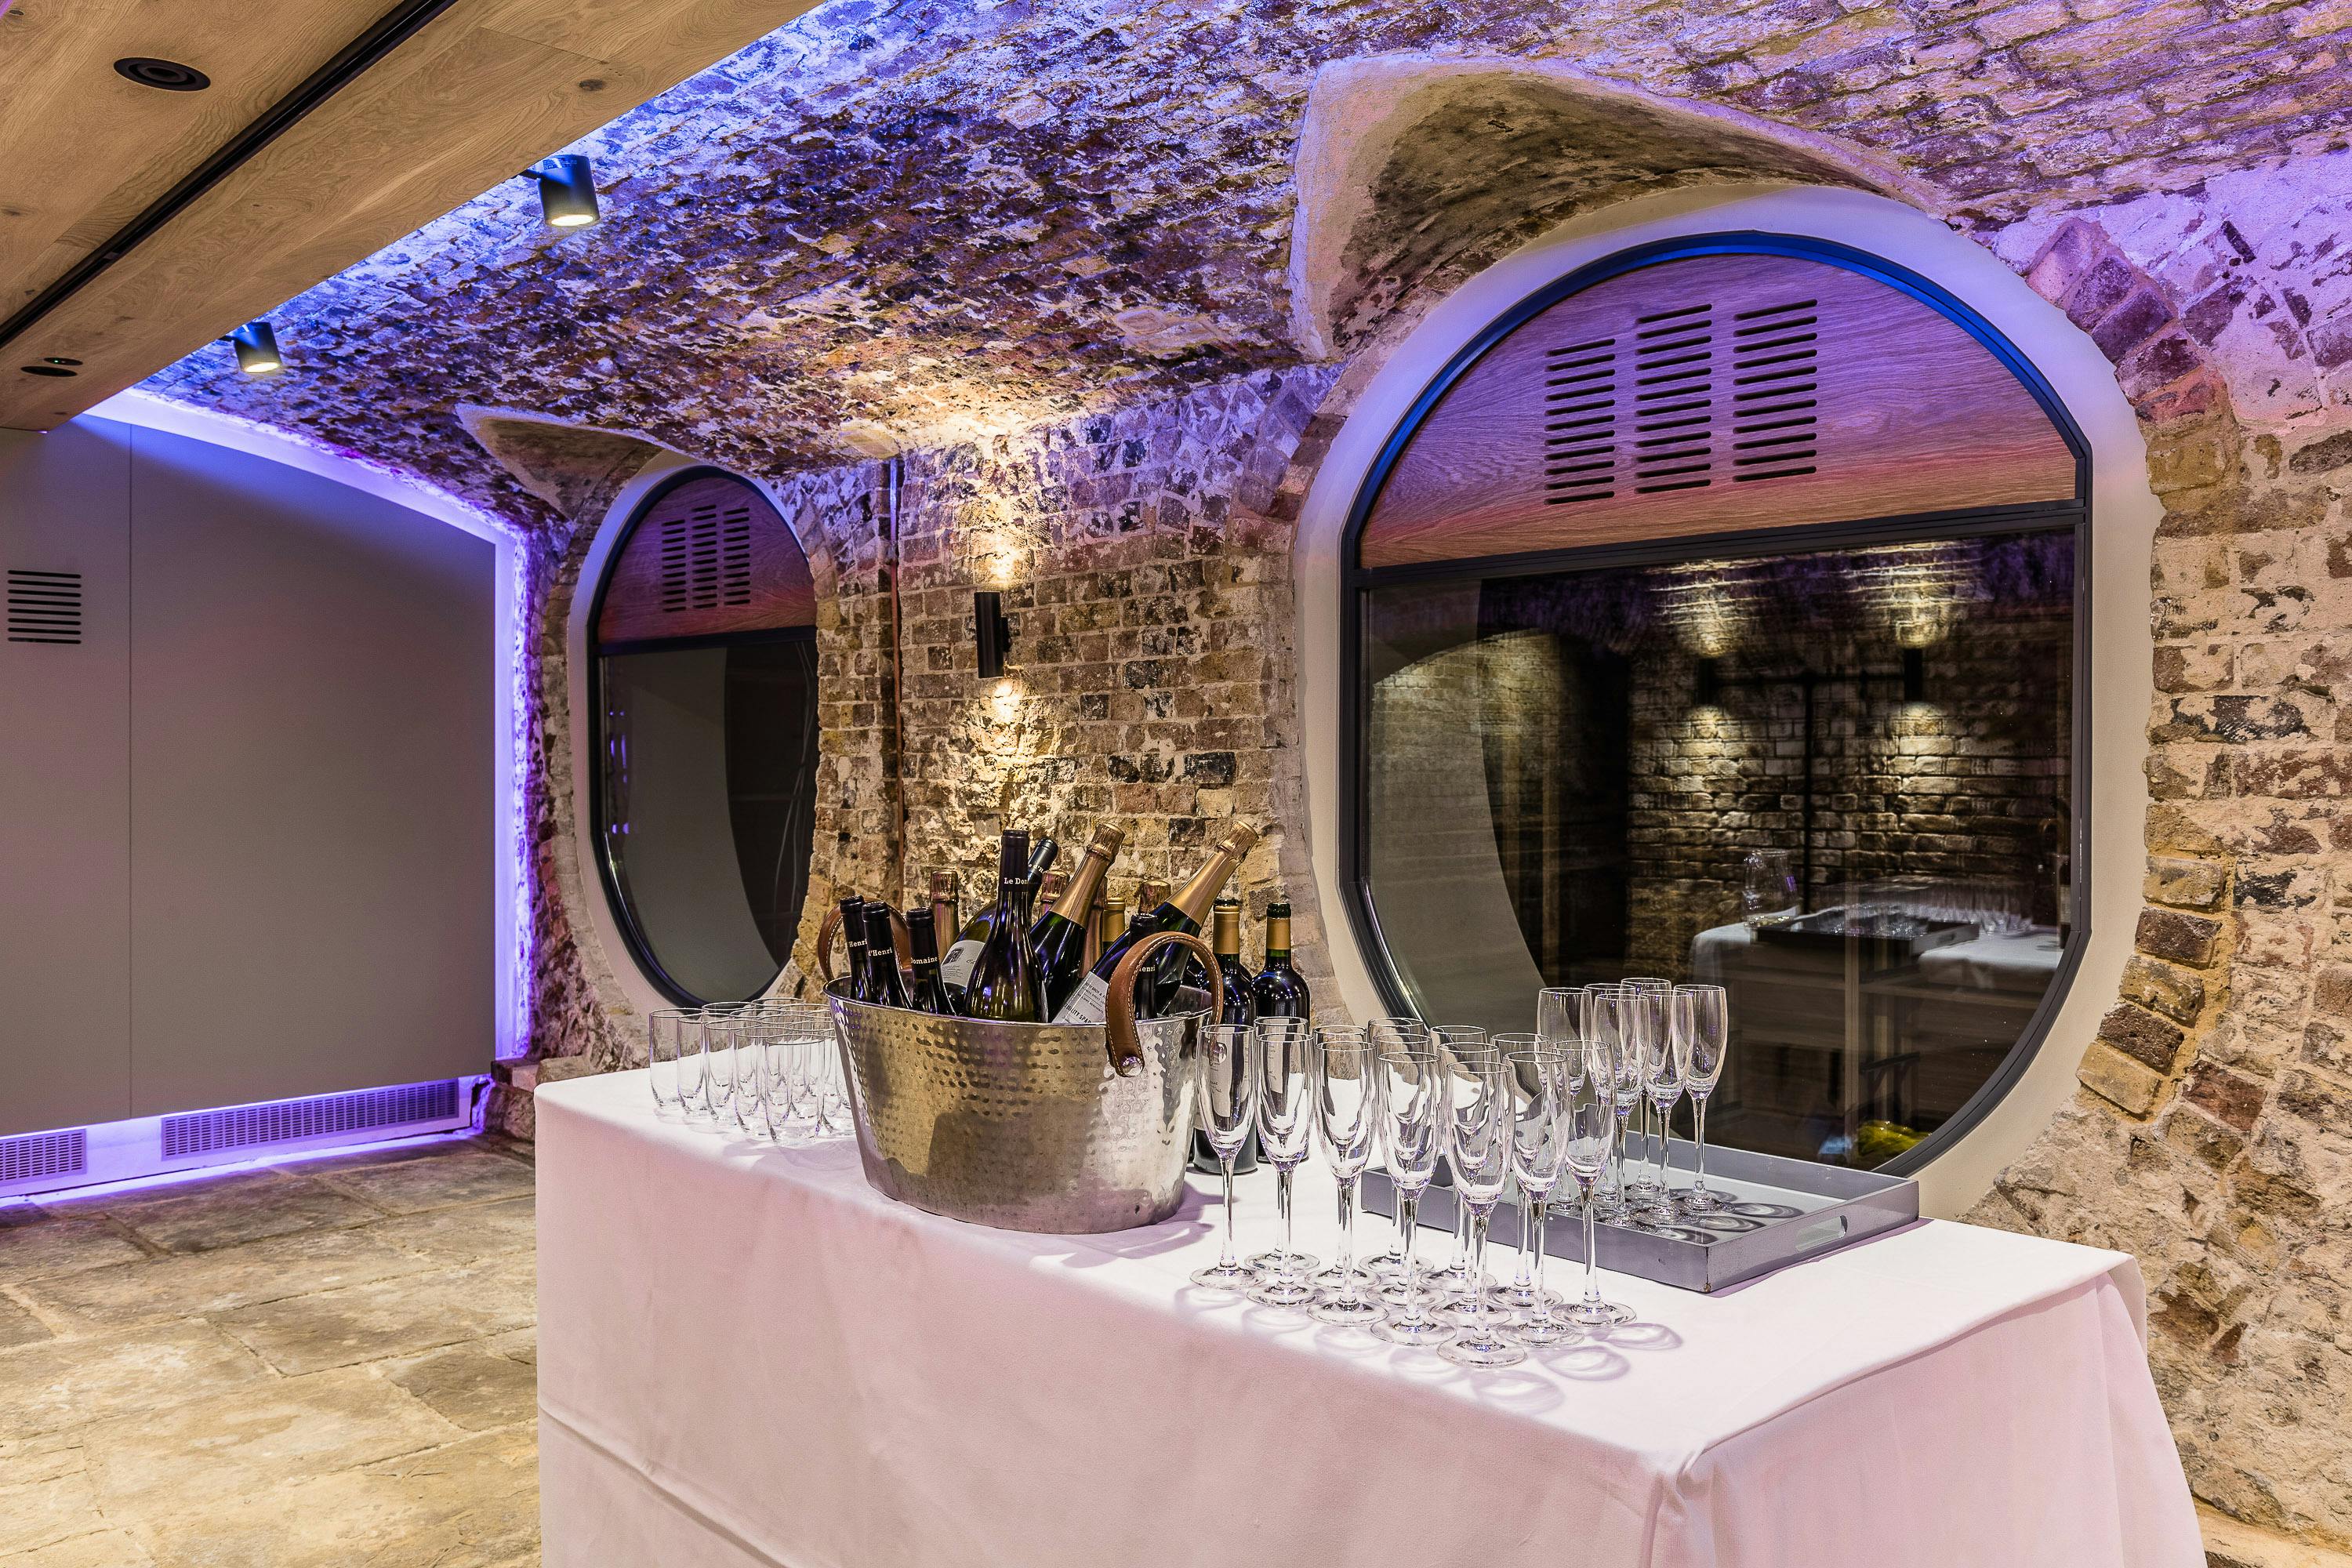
column 2125, row 516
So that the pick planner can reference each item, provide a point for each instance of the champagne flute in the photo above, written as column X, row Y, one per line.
column 1541, row 1083
column 1591, row 1118
column 666, row 1035
column 1661, row 1086
column 1455, row 1040
column 1228, row 1095
column 1348, row 1112
column 1604, row 1033
column 1478, row 1145
column 1642, row 1191
column 1412, row 1114
column 1286, row 1131
column 1702, row 1031
column 1520, row 1291
column 1399, row 1034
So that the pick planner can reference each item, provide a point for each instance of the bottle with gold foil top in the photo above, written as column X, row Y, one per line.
column 1109, row 926
column 1233, row 974
column 1059, row 937
column 1155, row 991
column 1150, row 894
column 1279, row 991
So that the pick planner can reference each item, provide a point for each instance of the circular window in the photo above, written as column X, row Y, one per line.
column 703, row 681
column 1716, row 616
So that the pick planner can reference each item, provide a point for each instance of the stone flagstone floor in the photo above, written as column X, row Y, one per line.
column 327, row 1362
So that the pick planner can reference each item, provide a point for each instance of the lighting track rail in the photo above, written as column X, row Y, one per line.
column 396, row 27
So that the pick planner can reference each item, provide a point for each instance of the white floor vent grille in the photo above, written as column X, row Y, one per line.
column 290, row 1120
column 39, row 1154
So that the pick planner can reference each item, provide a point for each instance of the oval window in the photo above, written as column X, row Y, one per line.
column 1715, row 617
column 704, row 688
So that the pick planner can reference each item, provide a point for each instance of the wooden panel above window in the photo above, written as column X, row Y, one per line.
column 1711, row 395
column 708, row 556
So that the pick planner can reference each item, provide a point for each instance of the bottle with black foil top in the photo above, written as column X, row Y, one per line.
column 1002, row 988
column 926, row 995
column 1059, row 938
column 1155, row 990
column 885, row 987
column 852, row 937
column 1279, row 992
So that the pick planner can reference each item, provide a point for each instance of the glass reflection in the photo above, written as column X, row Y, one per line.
column 1838, row 782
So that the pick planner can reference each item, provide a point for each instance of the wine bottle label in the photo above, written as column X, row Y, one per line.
column 1089, row 1004
column 956, row 967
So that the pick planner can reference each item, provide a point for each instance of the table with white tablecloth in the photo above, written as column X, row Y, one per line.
column 749, row 1357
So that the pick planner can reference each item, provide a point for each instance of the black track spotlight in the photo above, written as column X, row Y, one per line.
column 257, row 349
column 567, row 190
column 994, row 632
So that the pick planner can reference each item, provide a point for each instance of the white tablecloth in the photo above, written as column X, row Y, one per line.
column 749, row 1357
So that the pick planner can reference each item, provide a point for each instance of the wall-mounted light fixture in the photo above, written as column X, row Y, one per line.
column 1914, row 675
column 992, row 631
column 1707, row 683
column 257, row 349
column 567, row 190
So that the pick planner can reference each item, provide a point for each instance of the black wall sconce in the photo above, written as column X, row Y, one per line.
column 991, row 630
column 1707, row 683
column 1914, row 675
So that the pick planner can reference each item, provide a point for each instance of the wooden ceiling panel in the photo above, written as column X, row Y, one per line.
column 486, row 89
column 1714, row 395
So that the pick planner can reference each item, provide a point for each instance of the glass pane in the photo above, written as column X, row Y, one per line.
column 1838, row 782
column 709, row 781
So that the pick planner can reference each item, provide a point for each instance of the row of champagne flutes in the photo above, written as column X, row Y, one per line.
column 767, row 1067
column 1532, row 1111
column 1660, row 1042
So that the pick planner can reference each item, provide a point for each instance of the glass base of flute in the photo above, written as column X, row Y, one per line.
column 1282, row 1272
column 1642, row 1188
column 1347, row 1299
column 1524, row 1291
column 1409, row 1322
column 1229, row 1272
column 1613, row 1203
column 1539, row 1320
column 1698, row 1197
column 1593, row 1312
column 1482, row 1341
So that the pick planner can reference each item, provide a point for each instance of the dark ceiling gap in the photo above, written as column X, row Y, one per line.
column 395, row 27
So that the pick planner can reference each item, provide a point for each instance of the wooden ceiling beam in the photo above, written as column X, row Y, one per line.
column 479, row 92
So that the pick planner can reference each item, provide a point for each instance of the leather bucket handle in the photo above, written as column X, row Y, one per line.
column 1126, row 1046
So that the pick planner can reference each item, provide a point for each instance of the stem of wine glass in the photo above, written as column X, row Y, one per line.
column 1526, row 1272
column 1347, row 1238
column 1479, row 1262
column 1665, row 1129
column 1282, row 1193
column 1698, row 1124
column 1409, row 1221
column 1542, row 1218
column 1591, row 1254
column 1227, row 1259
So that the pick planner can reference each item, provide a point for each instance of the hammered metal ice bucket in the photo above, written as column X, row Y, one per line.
column 1040, row 1126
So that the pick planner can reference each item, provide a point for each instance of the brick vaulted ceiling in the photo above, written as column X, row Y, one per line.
column 914, row 222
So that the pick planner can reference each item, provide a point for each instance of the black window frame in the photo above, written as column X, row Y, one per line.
column 624, row 914
column 1358, row 582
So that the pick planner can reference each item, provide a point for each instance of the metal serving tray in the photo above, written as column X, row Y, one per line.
column 1777, row 1212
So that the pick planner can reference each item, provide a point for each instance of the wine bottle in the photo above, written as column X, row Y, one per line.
column 1155, row 992
column 927, row 995
column 1234, row 977
column 884, row 986
column 855, row 941
column 955, row 969
column 1279, row 991
column 1002, row 988
column 947, row 913
column 1059, row 939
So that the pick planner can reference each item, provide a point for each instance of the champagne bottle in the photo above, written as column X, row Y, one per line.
column 1155, row 992
column 1279, row 992
column 927, row 995
column 884, row 987
column 1049, row 893
column 852, row 937
column 1150, row 894
column 1232, row 976
column 1059, row 939
column 1003, row 987
column 1110, row 926
column 947, row 913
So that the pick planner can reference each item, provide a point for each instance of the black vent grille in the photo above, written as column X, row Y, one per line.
column 1775, row 390
column 39, row 1154
column 1580, row 421
column 289, row 1121
column 1681, row 403
column 706, row 558
column 44, row 606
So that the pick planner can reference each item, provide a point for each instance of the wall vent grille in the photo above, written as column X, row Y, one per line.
column 1580, row 421
column 290, row 1120
column 44, row 606
column 706, row 558
column 1684, row 404
column 39, row 1154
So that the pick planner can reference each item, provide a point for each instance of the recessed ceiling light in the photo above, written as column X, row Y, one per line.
column 53, row 358
column 169, row 75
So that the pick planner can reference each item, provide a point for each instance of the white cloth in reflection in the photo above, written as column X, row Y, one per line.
column 747, row 1357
